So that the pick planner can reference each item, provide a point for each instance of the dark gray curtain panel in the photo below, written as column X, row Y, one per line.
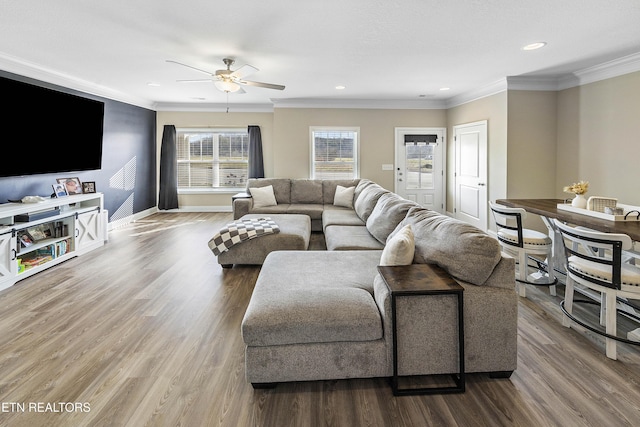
column 168, row 197
column 256, row 164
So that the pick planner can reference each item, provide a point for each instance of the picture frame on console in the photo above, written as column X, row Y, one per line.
column 88, row 187
column 72, row 185
column 59, row 190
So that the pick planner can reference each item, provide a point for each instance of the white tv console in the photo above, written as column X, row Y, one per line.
column 64, row 227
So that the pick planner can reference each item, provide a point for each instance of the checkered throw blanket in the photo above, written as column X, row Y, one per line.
column 241, row 230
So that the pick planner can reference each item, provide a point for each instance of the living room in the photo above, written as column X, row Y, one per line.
column 157, row 341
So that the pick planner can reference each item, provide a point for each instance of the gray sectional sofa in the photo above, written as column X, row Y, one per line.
column 317, row 315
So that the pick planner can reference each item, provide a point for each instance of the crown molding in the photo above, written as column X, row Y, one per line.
column 214, row 107
column 617, row 67
column 35, row 71
column 607, row 70
column 474, row 95
column 399, row 104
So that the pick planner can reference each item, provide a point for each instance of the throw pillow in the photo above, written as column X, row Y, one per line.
column 263, row 196
column 344, row 196
column 400, row 248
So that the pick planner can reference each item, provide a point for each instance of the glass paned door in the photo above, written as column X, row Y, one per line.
column 419, row 166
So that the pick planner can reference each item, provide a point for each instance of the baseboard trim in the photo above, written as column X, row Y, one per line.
column 131, row 218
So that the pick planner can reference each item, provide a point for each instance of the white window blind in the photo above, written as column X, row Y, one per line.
column 209, row 158
column 334, row 153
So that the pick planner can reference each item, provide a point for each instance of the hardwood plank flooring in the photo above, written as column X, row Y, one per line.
column 146, row 332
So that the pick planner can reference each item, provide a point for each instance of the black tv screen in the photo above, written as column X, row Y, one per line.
column 47, row 131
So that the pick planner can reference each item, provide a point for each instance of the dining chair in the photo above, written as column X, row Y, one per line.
column 524, row 244
column 594, row 260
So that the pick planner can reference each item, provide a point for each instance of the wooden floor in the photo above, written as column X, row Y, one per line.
column 146, row 332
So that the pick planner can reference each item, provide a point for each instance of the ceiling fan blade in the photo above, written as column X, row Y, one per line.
column 260, row 84
column 189, row 66
column 244, row 71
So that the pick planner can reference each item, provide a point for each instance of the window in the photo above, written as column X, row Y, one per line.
column 334, row 153
column 212, row 158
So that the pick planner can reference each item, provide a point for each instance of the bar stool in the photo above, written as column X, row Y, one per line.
column 595, row 260
column 522, row 244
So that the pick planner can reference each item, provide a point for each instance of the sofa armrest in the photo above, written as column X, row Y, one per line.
column 242, row 206
column 503, row 274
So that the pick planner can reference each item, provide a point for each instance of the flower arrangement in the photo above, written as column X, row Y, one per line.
column 577, row 187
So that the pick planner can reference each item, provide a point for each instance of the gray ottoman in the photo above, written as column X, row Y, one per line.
column 294, row 235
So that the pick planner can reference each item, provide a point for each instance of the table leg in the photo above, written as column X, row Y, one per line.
column 557, row 248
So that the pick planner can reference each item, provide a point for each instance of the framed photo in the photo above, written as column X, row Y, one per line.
column 39, row 232
column 72, row 185
column 59, row 190
column 25, row 239
column 88, row 187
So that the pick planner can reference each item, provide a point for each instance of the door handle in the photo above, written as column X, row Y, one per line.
column 481, row 184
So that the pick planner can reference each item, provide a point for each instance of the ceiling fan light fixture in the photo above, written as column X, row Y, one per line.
column 227, row 86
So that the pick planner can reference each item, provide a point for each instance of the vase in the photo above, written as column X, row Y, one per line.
column 579, row 201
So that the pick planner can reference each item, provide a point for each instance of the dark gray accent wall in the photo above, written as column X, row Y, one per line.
column 128, row 174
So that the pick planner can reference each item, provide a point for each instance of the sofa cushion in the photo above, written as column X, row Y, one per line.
column 335, row 215
column 367, row 198
column 344, row 196
column 313, row 210
column 400, row 248
column 462, row 250
column 263, row 196
column 306, row 191
column 281, row 187
column 276, row 209
column 316, row 315
column 329, row 188
column 350, row 238
column 299, row 307
column 362, row 184
column 387, row 214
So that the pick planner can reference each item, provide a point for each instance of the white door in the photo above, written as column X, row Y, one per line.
column 471, row 173
column 420, row 166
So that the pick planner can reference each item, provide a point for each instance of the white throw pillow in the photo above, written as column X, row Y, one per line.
column 344, row 196
column 263, row 196
column 399, row 249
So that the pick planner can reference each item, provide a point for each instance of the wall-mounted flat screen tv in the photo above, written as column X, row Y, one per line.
column 47, row 131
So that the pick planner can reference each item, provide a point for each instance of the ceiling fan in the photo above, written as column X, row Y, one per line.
column 228, row 80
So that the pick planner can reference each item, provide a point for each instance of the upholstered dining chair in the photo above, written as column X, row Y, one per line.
column 594, row 260
column 523, row 244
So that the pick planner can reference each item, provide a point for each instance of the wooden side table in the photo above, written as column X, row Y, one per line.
column 423, row 279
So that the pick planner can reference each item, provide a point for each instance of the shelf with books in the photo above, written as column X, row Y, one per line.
column 44, row 252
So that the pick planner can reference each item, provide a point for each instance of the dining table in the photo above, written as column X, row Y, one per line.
column 548, row 210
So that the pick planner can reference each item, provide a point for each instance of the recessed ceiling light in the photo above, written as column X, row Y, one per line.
column 534, row 46
column 340, row 87
column 445, row 88
column 153, row 84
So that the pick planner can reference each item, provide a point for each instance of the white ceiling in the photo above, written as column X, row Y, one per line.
column 385, row 52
